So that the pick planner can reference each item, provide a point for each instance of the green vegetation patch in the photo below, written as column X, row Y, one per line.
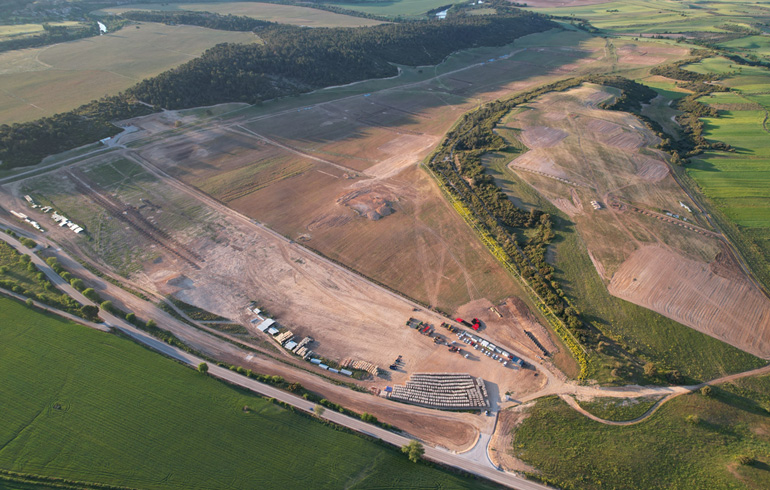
column 89, row 406
column 691, row 442
column 619, row 409
column 197, row 313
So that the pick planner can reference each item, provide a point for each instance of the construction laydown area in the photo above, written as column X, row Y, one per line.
column 647, row 239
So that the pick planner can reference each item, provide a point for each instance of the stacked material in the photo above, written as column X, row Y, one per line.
column 443, row 390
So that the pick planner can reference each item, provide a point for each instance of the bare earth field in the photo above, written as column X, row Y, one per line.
column 337, row 161
column 221, row 263
column 578, row 154
column 40, row 82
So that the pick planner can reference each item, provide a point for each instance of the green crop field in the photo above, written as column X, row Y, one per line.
column 20, row 30
column 737, row 183
column 43, row 81
column 85, row 405
column 283, row 14
column 691, row 442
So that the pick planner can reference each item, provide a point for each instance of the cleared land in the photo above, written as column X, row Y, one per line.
column 41, row 82
column 283, row 14
column 367, row 146
column 171, row 242
column 633, row 239
column 691, row 442
column 147, row 420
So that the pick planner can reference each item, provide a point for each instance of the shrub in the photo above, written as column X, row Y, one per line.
column 107, row 306
column 203, row 368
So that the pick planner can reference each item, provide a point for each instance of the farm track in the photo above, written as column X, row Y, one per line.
column 620, row 205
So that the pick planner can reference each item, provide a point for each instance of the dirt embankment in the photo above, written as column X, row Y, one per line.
column 501, row 444
column 715, row 298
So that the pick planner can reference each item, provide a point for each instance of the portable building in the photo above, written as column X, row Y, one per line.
column 265, row 324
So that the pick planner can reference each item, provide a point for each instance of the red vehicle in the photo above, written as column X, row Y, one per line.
column 476, row 326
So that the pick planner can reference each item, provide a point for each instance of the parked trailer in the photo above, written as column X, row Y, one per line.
column 460, row 320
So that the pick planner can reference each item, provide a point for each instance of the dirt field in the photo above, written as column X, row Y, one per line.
column 210, row 258
column 647, row 256
column 317, row 154
column 713, row 298
column 500, row 451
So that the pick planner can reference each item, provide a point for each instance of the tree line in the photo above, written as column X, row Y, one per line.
column 202, row 19
column 291, row 61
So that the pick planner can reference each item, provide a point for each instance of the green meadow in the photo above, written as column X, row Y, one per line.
column 691, row 442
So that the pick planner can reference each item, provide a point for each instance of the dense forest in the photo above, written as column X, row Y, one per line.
column 202, row 19
column 292, row 60
column 28, row 143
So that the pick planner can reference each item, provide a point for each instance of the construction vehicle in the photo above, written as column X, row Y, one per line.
column 460, row 320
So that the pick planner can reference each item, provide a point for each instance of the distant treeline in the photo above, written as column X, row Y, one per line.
column 292, row 60
column 202, row 19
column 27, row 143
column 58, row 34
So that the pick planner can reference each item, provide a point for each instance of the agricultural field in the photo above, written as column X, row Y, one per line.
column 148, row 420
column 691, row 442
column 661, row 17
column 23, row 30
column 40, row 82
column 397, row 8
column 282, row 14
column 738, row 182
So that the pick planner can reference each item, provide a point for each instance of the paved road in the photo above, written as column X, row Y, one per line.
column 439, row 455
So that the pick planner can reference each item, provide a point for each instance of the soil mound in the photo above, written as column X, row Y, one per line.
column 368, row 203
